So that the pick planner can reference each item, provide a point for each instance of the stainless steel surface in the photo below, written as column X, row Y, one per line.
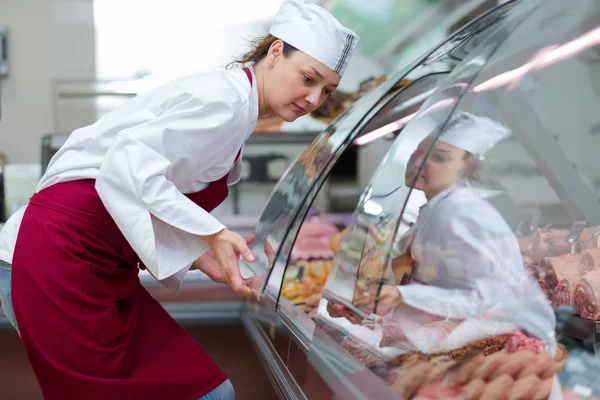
column 279, row 374
column 197, row 314
column 189, row 314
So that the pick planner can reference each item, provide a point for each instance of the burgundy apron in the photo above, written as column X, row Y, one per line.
column 88, row 326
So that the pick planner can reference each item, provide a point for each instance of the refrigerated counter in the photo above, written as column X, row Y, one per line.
column 482, row 237
column 323, row 275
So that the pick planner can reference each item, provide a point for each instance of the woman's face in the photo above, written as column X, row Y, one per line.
column 445, row 166
column 297, row 84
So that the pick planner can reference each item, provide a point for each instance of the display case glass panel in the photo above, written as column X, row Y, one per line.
column 483, row 215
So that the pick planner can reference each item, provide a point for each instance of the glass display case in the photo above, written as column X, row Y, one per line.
column 477, row 224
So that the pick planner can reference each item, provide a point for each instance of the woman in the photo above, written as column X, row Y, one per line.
column 466, row 260
column 135, row 189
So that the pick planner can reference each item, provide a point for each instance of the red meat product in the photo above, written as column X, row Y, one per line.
column 313, row 241
column 587, row 240
column 587, row 294
column 434, row 331
column 545, row 276
column 525, row 244
column 392, row 334
column 590, row 260
column 433, row 391
column 567, row 271
column 549, row 243
column 588, row 233
column 360, row 353
column 518, row 341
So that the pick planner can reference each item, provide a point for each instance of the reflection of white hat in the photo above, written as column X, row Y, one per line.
column 316, row 32
column 474, row 134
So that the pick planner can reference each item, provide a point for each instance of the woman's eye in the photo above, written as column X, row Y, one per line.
column 307, row 79
column 327, row 91
column 437, row 158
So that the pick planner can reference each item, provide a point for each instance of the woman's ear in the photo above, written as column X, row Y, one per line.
column 472, row 166
column 275, row 52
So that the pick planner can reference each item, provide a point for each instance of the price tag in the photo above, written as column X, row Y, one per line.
column 575, row 231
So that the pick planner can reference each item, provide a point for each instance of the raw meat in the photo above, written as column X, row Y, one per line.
column 587, row 294
column 545, row 276
column 549, row 243
column 525, row 244
column 313, row 241
column 587, row 240
column 567, row 271
column 503, row 375
column 590, row 260
column 392, row 334
column 360, row 352
column 588, row 233
column 518, row 341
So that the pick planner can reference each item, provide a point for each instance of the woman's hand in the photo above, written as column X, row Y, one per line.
column 226, row 247
column 337, row 310
column 270, row 252
column 209, row 265
column 389, row 298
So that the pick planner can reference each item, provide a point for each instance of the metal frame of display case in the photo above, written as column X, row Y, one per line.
column 586, row 330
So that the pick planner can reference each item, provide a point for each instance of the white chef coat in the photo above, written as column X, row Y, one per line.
column 145, row 154
column 469, row 263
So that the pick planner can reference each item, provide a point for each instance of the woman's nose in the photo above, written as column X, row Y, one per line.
column 313, row 97
column 416, row 161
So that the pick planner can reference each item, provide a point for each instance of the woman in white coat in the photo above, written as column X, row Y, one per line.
column 467, row 264
column 135, row 190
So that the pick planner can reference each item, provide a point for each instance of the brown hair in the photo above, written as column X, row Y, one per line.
column 260, row 49
column 473, row 167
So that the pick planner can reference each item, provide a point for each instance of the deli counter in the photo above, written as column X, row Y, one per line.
column 468, row 267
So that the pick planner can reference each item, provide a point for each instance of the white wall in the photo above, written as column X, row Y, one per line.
column 47, row 40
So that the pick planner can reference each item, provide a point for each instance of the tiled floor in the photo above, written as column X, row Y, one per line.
column 228, row 346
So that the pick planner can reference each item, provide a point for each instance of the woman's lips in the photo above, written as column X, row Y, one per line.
column 299, row 109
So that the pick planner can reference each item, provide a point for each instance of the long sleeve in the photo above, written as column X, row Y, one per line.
column 470, row 266
column 138, row 178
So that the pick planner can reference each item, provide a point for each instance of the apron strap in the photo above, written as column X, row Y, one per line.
column 248, row 74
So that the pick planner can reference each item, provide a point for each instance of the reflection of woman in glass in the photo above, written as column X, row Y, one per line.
column 467, row 261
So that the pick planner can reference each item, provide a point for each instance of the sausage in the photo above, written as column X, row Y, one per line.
column 439, row 370
column 541, row 365
column 473, row 389
column 515, row 363
column 411, row 379
column 526, row 388
column 467, row 369
column 548, row 367
column 438, row 391
column 543, row 392
column 490, row 364
column 499, row 388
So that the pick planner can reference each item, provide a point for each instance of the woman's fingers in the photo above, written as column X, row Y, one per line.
column 241, row 247
column 227, row 246
column 250, row 238
column 230, row 265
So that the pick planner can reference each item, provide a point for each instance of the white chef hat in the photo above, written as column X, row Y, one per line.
column 474, row 134
column 316, row 32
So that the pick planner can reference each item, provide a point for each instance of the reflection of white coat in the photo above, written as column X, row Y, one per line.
column 174, row 139
column 469, row 263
